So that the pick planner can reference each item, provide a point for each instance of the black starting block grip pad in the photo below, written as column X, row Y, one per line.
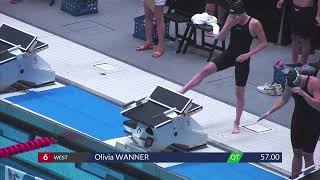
column 4, row 54
column 170, row 99
column 16, row 37
column 40, row 45
column 149, row 113
column 194, row 107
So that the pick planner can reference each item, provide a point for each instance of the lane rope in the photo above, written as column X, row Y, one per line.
column 27, row 146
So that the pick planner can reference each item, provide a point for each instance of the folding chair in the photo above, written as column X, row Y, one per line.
column 190, row 36
column 181, row 11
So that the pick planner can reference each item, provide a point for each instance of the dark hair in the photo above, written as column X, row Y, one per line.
column 293, row 78
column 236, row 7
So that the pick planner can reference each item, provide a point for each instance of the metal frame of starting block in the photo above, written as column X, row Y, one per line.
column 162, row 121
column 310, row 173
column 19, row 62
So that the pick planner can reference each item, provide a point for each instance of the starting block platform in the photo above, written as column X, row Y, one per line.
column 5, row 55
column 19, row 63
column 25, row 41
column 162, row 120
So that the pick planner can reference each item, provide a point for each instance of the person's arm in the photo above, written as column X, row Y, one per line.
column 257, row 30
column 318, row 14
column 278, row 104
column 312, row 101
column 280, row 3
column 230, row 21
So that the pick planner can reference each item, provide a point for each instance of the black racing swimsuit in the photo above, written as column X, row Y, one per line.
column 305, row 125
column 303, row 21
column 240, row 42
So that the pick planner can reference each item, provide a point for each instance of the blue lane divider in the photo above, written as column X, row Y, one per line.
column 230, row 171
column 77, row 109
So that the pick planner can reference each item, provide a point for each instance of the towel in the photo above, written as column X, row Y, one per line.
column 205, row 18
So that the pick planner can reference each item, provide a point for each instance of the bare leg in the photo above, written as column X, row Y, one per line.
column 239, row 108
column 308, row 160
column 210, row 68
column 306, row 48
column 296, row 163
column 149, row 23
column 221, row 15
column 295, row 48
column 158, row 13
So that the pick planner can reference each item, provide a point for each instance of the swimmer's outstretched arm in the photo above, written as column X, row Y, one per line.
column 279, row 103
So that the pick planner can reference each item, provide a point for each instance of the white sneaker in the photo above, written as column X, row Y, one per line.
column 271, row 89
column 278, row 89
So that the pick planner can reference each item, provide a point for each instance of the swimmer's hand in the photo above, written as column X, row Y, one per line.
column 265, row 115
column 231, row 21
column 243, row 57
column 234, row 20
column 298, row 90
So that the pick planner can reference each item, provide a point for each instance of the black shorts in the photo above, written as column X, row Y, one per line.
column 304, row 133
column 303, row 21
column 228, row 59
column 222, row 3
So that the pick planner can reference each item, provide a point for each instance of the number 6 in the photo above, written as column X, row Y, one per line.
column 45, row 157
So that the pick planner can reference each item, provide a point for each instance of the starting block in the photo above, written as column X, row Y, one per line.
column 162, row 121
column 19, row 62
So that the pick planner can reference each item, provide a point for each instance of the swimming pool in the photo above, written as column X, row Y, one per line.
column 102, row 120
column 76, row 108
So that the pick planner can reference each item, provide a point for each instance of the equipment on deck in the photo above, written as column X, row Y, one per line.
column 160, row 121
column 19, row 62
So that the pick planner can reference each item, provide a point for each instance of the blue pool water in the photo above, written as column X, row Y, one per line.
column 77, row 109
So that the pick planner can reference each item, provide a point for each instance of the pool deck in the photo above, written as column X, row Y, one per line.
column 123, row 82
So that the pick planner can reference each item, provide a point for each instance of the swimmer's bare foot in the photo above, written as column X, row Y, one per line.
column 182, row 91
column 236, row 129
